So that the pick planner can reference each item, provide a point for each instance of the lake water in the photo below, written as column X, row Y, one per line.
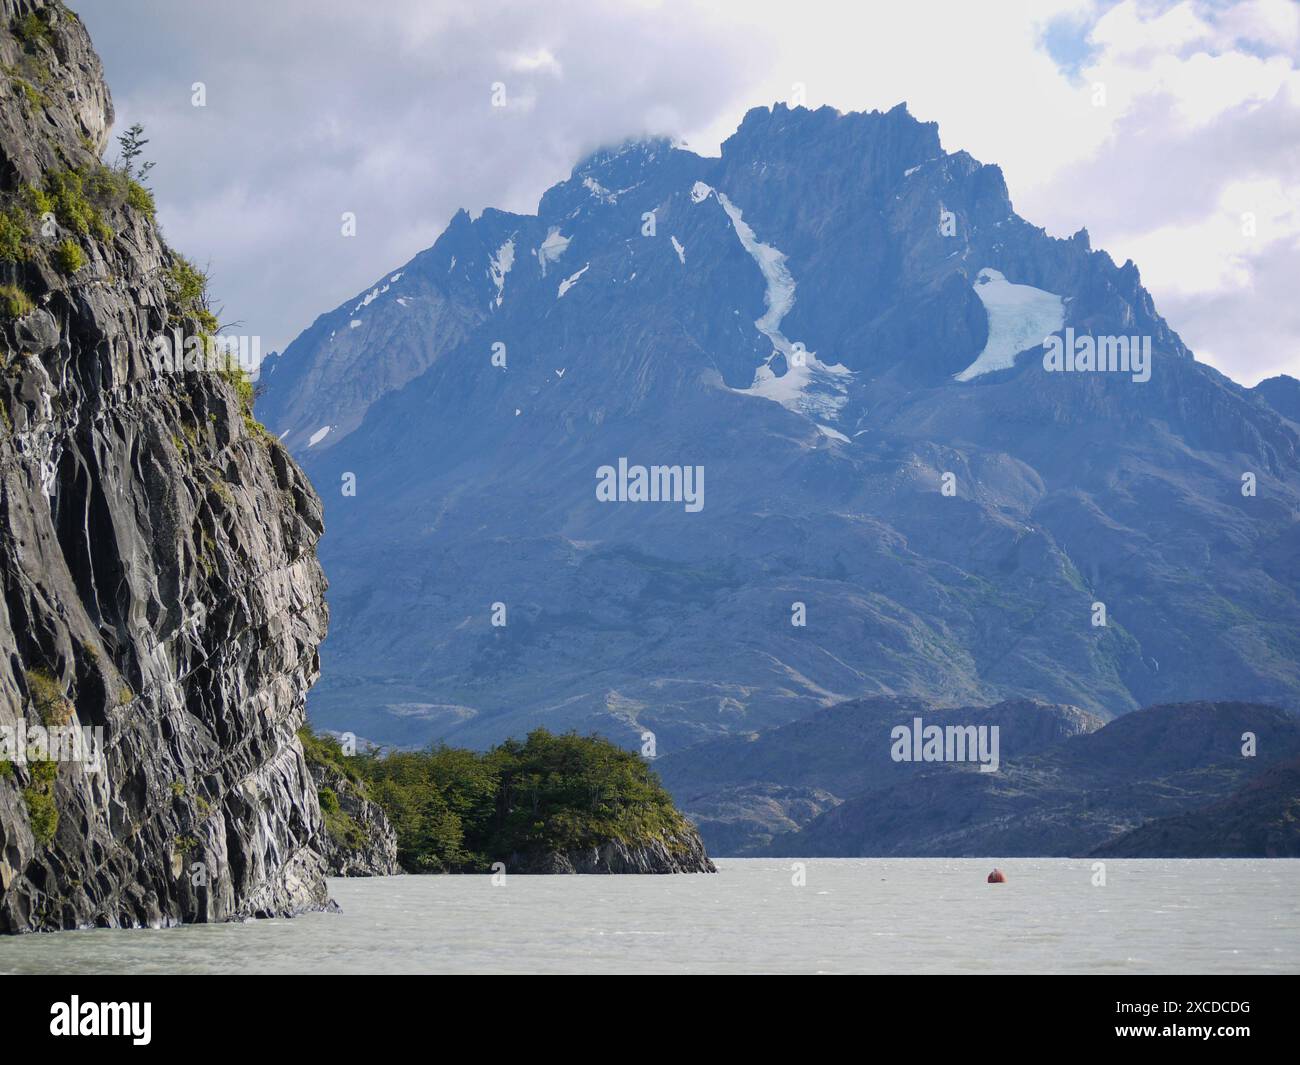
column 851, row 916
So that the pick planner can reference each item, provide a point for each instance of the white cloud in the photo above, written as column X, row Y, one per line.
column 540, row 60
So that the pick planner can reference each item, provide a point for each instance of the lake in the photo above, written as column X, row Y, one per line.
column 869, row 915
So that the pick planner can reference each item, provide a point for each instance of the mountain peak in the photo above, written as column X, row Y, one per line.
column 843, row 326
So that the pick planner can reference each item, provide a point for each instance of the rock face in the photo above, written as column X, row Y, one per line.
column 157, row 551
column 358, row 839
column 682, row 853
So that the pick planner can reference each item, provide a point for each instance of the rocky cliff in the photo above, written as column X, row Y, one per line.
column 157, row 549
column 358, row 839
column 680, row 853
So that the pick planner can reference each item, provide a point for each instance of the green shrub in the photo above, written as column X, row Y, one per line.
column 32, row 30
column 35, row 98
column 42, row 810
column 68, row 257
column 14, row 302
column 36, row 199
column 188, row 287
column 139, row 197
column 67, row 195
column 48, row 699
column 14, row 235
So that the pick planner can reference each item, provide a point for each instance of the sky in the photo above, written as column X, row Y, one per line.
column 1171, row 131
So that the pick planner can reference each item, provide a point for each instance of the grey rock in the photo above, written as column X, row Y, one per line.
column 358, row 840
column 682, row 853
column 159, row 569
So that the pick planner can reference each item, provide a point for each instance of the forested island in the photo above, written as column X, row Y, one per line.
column 547, row 804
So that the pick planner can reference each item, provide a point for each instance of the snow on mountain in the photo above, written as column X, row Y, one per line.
column 500, row 265
column 798, row 381
column 571, row 280
column 1020, row 317
column 551, row 248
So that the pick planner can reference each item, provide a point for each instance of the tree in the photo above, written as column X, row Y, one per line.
column 131, row 145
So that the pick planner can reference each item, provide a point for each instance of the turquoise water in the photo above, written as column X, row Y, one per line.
column 850, row 916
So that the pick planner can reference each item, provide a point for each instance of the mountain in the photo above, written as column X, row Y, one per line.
column 1079, row 795
column 818, row 327
column 162, row 598
column 743, row 790
column 1282, row 393
column 1259, row 820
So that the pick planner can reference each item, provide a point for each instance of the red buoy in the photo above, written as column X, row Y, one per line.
column 997, row 877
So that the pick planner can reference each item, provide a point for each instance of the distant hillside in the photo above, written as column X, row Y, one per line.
column 744, row 790
column 1070, row 798
column 1260, row 819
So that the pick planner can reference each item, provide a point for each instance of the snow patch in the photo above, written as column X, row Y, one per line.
column 499, row 265
column 700, row 192
column 599, row 191
column 681, row 252
column 1020, row 316
column 319, row 435
column 808, row 386
column 355, row 323
column 395, row 278
column 552, row 248
column 370, row 298
column 834, row 434
column 571, row 280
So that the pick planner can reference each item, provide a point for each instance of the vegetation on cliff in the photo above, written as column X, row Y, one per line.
column 457, row 810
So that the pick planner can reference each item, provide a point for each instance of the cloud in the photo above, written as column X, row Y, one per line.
column 1201, row 131
column 318, row 108
column 386, row 111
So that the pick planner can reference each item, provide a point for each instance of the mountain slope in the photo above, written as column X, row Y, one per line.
column 1260, row 819
column 742, row 790
column 1070, row 798
column 826, row 319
